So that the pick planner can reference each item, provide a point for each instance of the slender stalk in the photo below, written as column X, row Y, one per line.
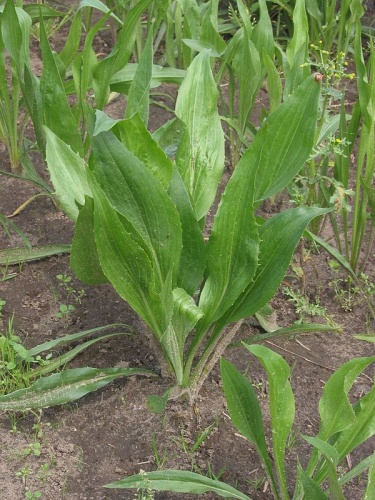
column 211, row 356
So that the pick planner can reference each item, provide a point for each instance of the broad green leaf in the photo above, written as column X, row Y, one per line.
column 15, row 31
column 137, row 139
column 279, row 236
column 64, row 387
column 244, row 409
column 200, row 46
column 12, row 256
column 127, row 265
column 200, row 160
column 337, row 415
column 119, row 55
column 311, row 489
column 120, row 82
column 139, row 92
column 335, row 410
column 362, row 428
column 284, row 141
column 169, row 136
column 134, row 135
column 281, row 404
column 179, row 482
column 140, row 199
column 58, row 116
column 186, row 314
column 84, row 258
column 68, row 174
column 209, row 29
column 233, row 247
column 366, row 338
column 34, row 10
column 193, row 253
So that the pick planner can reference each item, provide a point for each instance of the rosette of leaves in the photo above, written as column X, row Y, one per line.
column 141, row 217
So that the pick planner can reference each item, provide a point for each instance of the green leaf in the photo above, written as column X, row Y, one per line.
column 310, row 487
column 279, row 236
column 370, row 488
column 58, row 116
column 262, row 35
column 60, row 361
column 137, row 139
column 179, row 482
column 139, row 92
column 233, row 248
column 300, row 34
column 325, row 448
column 193, row 254
column 15, row 31
column 97, row 4
column 244, row 409
column 137, row 195
column 127, row 264
column 119, row 55
column 335, row 410
column 284, row 141
column 12, row 256
column 282, row 407
column 362, row 428
column 84, row 258
column 247, row 66
column 157, row 404
column 200, row 159
column 358, row 470
column 68, row 174
column 64, row 387
column 67, row 339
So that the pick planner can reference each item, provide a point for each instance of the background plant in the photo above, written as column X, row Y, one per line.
column 343, row 427
column 156, row 262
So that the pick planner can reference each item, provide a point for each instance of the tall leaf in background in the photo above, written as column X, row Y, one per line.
column 119, row 55
column 57, row 113
column 200, row 158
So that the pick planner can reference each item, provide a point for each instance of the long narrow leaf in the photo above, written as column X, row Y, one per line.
column 179, row 482
column 64, row 387
column 244, row 410
column 282, row 407
column 200, row 160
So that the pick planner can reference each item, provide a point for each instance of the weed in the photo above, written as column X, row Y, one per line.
column 65, row 284
column 65, row 310
column 144, row 493
column 160, row 461
column 304, row 308
column 32, row 495
column 23, row 474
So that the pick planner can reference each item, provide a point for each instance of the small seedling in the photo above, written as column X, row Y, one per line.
column 33, row 495
column 23, row 474
column 65, row 284
column 65, row 310
column 304, row 307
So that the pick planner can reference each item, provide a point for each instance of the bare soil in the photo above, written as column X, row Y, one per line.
column 111, row 434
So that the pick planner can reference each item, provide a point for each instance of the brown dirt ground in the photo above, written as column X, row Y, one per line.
column 110, row 434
